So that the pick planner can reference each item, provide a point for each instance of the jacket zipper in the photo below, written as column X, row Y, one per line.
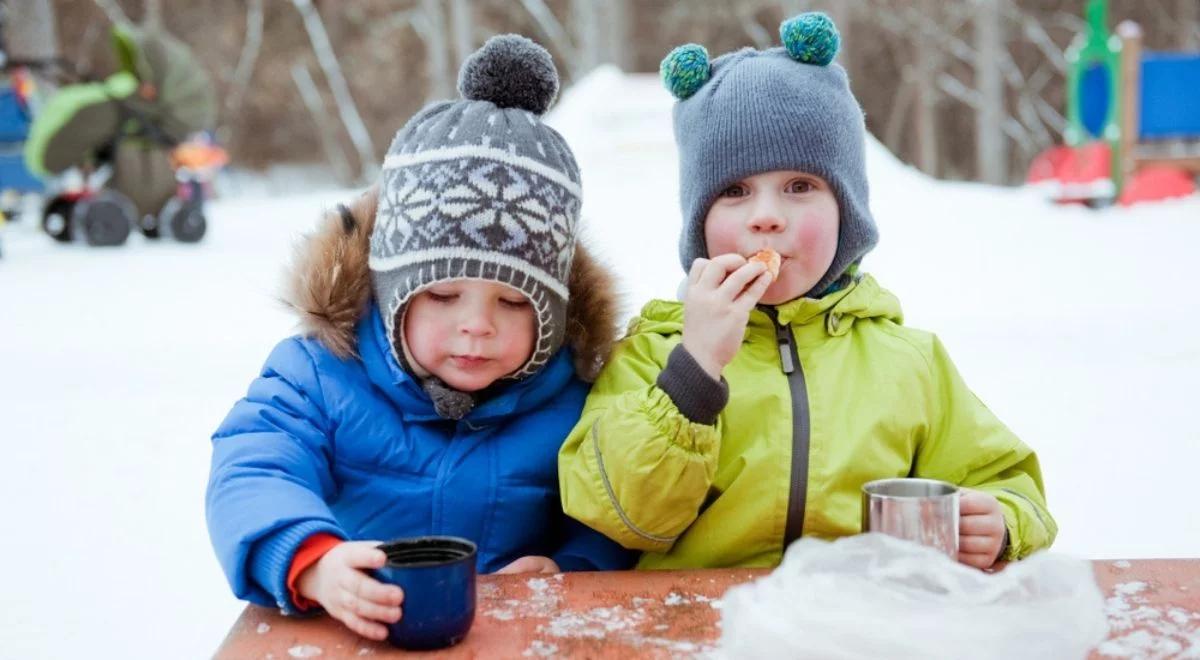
column 789, row 361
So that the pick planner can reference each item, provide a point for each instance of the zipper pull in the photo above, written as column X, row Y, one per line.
column 783, row 336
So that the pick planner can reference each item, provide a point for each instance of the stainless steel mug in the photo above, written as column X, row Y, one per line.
column 920, row 510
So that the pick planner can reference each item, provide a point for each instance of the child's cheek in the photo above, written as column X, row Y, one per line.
column 722, row 238
column 817, row 237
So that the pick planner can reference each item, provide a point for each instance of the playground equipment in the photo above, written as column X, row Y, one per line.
column 1133, row 120
column 129, row 136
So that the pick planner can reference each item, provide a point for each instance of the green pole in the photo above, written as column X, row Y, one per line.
column 1096, row 47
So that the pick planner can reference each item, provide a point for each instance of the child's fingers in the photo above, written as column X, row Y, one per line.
column 739, row 279
column 754, row 293
column 986, row 525
column 367, row 609
column 364, row 555
column 697, row 267
column 374, row 590
column 359, row 585
column 979, row 545
column 368, row 629
column 717, row 268
column 976, row 560
column 974, row 502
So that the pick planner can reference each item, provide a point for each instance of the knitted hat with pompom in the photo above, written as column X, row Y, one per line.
column 786, row 108
column 480, row 188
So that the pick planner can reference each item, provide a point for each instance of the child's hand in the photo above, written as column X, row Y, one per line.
column 720, row 294
column 980, row 529
column 338, row 583
column 531, row 564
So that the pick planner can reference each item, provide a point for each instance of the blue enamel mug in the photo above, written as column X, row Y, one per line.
column 437, row 574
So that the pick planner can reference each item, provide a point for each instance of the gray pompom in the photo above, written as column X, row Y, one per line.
column 512, row 72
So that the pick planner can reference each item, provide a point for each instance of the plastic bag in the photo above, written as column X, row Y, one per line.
column 873, row 596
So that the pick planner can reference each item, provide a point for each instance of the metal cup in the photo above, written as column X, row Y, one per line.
column 921, row 510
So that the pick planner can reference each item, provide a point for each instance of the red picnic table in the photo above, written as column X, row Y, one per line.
column 1153, row 609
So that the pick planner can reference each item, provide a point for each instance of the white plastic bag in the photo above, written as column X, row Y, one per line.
column 872, row 596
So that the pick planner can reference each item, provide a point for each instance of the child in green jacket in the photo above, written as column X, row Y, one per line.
column 751, row 413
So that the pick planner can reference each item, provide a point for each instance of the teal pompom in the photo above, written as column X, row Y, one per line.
column 811, row 38
column 685, row 69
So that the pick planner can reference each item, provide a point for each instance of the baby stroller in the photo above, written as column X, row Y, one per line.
column 123, row 134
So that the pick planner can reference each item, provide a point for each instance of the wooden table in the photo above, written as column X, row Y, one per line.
column 1153, row 607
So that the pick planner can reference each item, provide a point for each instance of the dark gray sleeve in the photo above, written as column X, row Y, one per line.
column 694, row 392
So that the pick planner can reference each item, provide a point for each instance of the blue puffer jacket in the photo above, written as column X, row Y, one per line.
column 350, row 445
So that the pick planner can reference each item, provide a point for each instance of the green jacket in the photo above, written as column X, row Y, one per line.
column 868, row 399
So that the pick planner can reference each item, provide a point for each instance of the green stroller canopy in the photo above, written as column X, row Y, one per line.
column 161, row 93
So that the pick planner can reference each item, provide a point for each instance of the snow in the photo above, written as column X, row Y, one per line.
column 1078, row 328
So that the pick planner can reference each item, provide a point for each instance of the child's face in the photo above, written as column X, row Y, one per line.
column 470, row 333
column 791, row 212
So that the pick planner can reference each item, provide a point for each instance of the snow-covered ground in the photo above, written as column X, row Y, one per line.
column 1076, row 327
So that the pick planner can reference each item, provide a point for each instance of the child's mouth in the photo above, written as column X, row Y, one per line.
column 468, row 361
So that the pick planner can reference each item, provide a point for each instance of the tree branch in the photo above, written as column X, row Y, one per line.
column 341, row 91
column 246, row 61
column 757, row 33
column 553, row 30
column 112, row 11
column 316, row 109
column 152, row 16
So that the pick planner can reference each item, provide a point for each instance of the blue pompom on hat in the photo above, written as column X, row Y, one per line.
column 787, row 108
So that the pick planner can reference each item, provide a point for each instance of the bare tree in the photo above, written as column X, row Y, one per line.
column 244, row 71
column 554, row 32
column 462, row 23
column 616, row 28
column 925, row 74
column 31, row 35
column 1187, row 15
column 341, row 91
column 152, row 14
column 991, row 152
column 113, row 11
column 325, row 129
column 843, row 12
column 430, row 24
column 586, row 17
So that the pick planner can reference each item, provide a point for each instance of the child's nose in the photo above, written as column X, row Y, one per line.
column 477, row 323
column 766, row 223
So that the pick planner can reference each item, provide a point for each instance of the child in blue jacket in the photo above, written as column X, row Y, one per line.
column 451, row 322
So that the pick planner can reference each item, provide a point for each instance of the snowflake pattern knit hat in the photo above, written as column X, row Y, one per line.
column 750, row 111
column 480, row 188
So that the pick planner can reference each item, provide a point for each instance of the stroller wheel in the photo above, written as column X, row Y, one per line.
column 183, row 219
column 106, row 218
column 149, row 226
column 56, row 219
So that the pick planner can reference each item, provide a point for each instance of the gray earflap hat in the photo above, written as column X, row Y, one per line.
column 480, row 188
column 787, row 108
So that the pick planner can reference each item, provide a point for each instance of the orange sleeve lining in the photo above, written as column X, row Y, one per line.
column 309, row 552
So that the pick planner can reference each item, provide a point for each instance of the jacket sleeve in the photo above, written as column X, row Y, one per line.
column 635, row 468
column 966, row 444
column 270, row 477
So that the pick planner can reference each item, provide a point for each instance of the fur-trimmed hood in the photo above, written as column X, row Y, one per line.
column 329, row 286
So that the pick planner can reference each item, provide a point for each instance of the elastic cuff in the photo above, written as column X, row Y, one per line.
column 272, row 555
column 700, row 398
column 309, row 553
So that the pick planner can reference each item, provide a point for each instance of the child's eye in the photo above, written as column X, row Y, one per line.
column 800, row 186
column 514, row 303
column 736, row 190
column 442, row 297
